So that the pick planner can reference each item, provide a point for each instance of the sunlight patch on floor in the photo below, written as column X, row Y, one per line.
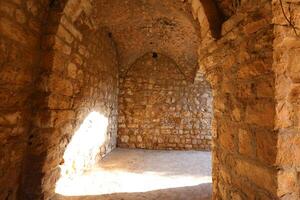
column 101, row 182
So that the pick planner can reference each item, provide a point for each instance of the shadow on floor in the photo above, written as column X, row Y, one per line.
column 198, row 192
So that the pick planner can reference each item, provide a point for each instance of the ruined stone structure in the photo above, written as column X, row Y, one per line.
column 152, row 69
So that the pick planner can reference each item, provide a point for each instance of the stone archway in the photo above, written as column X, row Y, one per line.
column 227, row 138
column 61, row 104
column 239, row 66
column 78, row 76
column 249, row 145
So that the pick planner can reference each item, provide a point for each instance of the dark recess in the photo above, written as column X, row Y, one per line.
column 154, row 55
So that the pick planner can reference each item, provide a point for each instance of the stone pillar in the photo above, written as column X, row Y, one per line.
column 286, row 17
column 239, row 66
column 20, row 32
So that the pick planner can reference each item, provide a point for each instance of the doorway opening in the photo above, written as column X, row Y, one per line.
column 163, row 140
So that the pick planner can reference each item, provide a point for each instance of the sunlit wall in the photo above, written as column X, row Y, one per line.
column 84, row 147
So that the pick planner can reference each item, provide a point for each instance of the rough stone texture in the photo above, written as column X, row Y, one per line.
column 160, row 109
column 20, row 30
column 287, row 69
column 48, row 87
column 78, row 75
column 163, row 26
column 239, row 68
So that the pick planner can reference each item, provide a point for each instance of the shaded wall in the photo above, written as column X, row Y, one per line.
column 239, row 66
column 249, row 146
column 78, row 75
column 160, row 109
column 20, row 31
column 287, row 68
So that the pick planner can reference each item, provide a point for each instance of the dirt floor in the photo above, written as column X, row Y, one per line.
column 143, row 175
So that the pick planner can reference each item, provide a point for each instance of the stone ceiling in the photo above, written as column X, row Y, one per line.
column 142, row 26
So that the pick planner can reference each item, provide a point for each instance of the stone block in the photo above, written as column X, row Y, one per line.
column 255, row 26
column 59, row 45
column 64, row 34
column 288, row 152
column 246, row 142
column 261, row 113
column 60, row 86
column 261, row 176
column 294, row 65
column 287, row 182
column 227, row 134
column 266, row 146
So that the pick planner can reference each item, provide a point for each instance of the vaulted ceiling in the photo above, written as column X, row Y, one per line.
column 142, row 26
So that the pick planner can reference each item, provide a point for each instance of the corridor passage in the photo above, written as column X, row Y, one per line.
column 127, row 174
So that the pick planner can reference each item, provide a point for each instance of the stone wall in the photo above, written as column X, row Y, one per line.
column 253, row 70
column 160, row 109
column 78, row 77
column 20, row 31
column 239, row 68
column 287, row 68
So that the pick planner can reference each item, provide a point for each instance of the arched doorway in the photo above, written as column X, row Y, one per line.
column 244, row 137
column 76, row 82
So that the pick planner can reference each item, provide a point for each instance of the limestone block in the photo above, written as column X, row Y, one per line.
column 261, row 176
column 64, row 34
column 260, row 113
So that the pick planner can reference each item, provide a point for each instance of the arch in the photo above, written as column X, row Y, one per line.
column 63, row 21
column 67, row 90
column 60, row 31
column 164, row 26
column 244, row 107
column 155, row 55
column 243, row 87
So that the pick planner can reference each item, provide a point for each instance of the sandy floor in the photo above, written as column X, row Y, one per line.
column 144, row 175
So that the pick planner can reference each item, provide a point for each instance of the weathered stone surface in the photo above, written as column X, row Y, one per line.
column 246, row 143
column 239, row 68
column 19, row 45
column 49, row 86
column 255, row 174
column 164, row 26
column 286, row 66
column 80, row 79
column 160, row 109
